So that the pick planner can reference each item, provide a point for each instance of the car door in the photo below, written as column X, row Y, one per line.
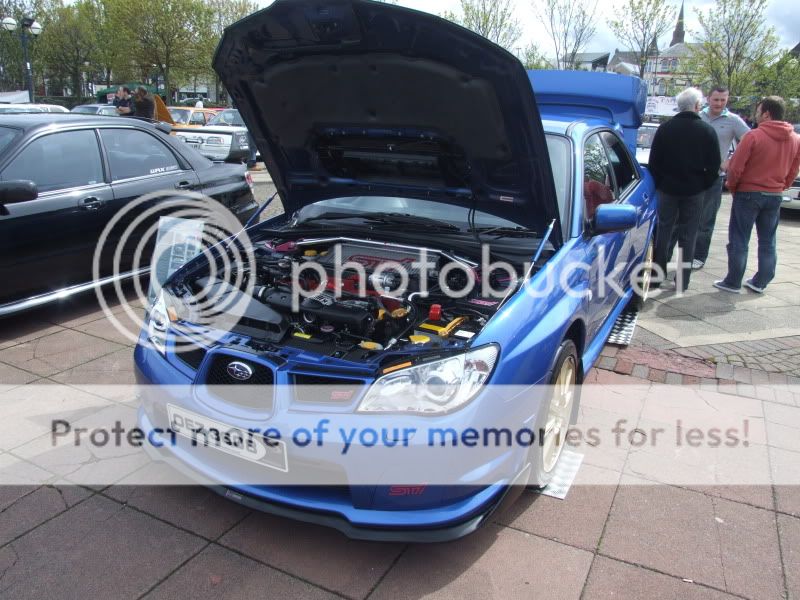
column 141, row 165
column 48, row 243
column 629, row 189
column 602, row 251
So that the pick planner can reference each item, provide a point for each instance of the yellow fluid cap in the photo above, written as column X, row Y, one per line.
column 419, row 339
column 371, row 346
column 399, row 313
column 381, row 314
column 310, row 253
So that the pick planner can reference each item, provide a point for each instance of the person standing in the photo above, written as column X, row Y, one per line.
column 729, row 127
column 764, row 164
column 145, row 106
column 684, row 162
column 124, row 102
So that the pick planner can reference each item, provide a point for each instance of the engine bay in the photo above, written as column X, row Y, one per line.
column 354, row 298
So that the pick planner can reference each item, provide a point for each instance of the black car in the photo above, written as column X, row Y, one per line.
column 64, row 177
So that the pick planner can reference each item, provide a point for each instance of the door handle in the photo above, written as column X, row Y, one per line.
column 91, row 203
column 183, row 185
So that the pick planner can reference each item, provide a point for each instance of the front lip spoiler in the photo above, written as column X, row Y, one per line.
column 374, row 534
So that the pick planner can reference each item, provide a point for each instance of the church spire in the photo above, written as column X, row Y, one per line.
column 679, row 34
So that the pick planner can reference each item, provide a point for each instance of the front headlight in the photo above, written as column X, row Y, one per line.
column 432, row 388
column 158, row 324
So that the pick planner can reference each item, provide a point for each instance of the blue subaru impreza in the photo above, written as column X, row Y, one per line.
column 401, row 351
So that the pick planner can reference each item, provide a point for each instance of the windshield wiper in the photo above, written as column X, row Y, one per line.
column 386, row 219
column 505, row 231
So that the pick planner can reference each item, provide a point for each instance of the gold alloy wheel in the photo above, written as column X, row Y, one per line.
column 559, row 414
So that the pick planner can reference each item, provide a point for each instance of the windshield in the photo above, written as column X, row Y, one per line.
column 92, row 110
column 180, row 115
column 227, row 117
column 6, row 135
column 20, row 109
column 644, row 137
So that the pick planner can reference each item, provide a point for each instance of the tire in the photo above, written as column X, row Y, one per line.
column 639, row 298
column 558, row 416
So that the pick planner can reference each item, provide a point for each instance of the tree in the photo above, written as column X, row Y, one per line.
column 735, row 45
column 570, row 25
column 644, row 22
column 70, row 42
column 532, row 58
column 493, row 19
column 782, row 78
column 224, row 13
column 165, row 36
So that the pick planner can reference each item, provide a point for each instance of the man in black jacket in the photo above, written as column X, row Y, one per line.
column 684, row 161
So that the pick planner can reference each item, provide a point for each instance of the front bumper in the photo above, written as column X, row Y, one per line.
column 360, row 512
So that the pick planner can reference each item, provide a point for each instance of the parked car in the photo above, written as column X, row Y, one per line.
column 96, row 109
column 221, row 139
column 395, row 134
column 791, row 197
column 76, row 173
column 644, row 140
column 185, row 116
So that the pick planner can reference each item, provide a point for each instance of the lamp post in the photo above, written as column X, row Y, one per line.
column 28, row 24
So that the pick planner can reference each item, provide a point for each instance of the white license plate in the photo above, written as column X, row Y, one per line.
column 208, row 433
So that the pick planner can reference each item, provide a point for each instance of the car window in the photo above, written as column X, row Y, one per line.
column 7, row 134
column 179, row 115
column 85, row 109
column 597, row 179
column 198, row 118
column 59, row 161
column 644, row 136
column 133, row 153
column 558, row 150
column 108, row 110
column 624, row 171
column 228, row 117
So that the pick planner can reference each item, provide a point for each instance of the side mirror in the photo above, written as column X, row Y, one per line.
column 12, row 192
column 609, row 218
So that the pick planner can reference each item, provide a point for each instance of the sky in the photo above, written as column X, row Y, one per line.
column 781, row 14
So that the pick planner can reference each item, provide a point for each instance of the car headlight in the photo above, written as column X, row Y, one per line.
column 158, row 323
column 432, row 388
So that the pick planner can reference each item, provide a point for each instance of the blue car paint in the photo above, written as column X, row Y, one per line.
column 548, row 320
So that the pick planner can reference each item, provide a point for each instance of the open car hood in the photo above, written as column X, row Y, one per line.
column 362, row 98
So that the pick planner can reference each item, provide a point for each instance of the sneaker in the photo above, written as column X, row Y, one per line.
column 749, row 284
column 697, row 264
column 721, row 285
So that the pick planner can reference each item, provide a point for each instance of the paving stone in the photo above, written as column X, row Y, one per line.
column 657, row 376
column 679, row 532
column 673, row 379
column 609, row 351
column 492, row 563
column 724, row 371
column 577, row 520
column 24, row 328
column 33, row 509
column 742, row 375
column 97, row 549
column 191, row 507
column 610, row 580
column 624, row 367
column 319, row 555
column 57, row 352
column 789, row 533
column 640, row 371
column 607, row 363
column 219, row 573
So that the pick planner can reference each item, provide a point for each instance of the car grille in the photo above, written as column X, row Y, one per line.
column 319, row 389
column 192, row 355
column 218, row 372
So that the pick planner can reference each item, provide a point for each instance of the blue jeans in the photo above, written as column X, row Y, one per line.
column 763, row 210
column 711, row 200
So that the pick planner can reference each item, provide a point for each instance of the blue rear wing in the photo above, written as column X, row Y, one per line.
column 582, row 94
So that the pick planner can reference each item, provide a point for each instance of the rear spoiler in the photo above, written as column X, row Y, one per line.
column 620, row 98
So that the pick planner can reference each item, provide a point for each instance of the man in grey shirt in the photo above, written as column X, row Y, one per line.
column 729, row 127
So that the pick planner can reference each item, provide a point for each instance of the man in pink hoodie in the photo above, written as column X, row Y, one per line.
column 765, row 163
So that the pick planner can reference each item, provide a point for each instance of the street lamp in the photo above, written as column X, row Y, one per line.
column 29, row 24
